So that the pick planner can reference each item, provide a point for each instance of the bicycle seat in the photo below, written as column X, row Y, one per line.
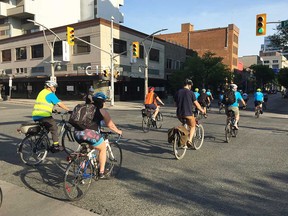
column 183, row 120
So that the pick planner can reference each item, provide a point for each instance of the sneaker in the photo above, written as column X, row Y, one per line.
column 153, row 118
column 261, row 112
column 236, row 126
column 103, row 175
column 189, row 144
column 56, row 148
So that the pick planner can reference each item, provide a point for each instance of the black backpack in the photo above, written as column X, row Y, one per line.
column 82, row 116
column 229, row 97
column 202, row 99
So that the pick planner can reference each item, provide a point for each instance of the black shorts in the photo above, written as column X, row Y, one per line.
column 150, row 106
column 256, row 103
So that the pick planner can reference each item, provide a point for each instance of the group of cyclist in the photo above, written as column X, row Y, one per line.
column 42, row 112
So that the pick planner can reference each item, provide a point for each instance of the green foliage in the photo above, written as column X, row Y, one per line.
column 206, row 72
column 283, row 77
column 280, row 39
column 263, row 74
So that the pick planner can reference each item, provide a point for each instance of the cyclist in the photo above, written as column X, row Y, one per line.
column 92, row 136
column 197, row 94
column 221, row 96
column 185, row 101
column 245, row 97
column 258, row 99
column 203, row 100
column 151, row 102
column 235, row 106
column 210, row 96
column 42, row 111
column 89, row 97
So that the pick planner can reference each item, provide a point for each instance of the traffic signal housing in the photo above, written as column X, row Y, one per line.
column 135, row 49
column 260, row 24
column 105, row 73
column 70, row 36
column 116, row 74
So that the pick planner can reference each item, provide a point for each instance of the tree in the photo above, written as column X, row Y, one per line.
column 207, row 71
column 280, row 39
column 283, row 77
column 263, row 74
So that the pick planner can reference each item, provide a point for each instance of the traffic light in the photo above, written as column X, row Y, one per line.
column 105, row 73
column 260, row 24
column 135, row 49
column 116, row 74
column 70, row 36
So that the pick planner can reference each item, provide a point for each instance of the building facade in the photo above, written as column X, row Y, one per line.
column 14, row 14
column 26, row 59
column 221, row 41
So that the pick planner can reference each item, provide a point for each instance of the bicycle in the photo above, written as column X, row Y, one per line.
column 34, row 148
column 197, row 141
column 84, row 165
column 258, row 111
column 148, row 122
column 1, row 197
column 230, row 130
column 221, row 107
column 66, row 133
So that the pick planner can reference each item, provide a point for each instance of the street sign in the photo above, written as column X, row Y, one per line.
column 284, row 24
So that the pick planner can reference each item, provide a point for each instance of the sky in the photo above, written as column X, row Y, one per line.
column 148, row 16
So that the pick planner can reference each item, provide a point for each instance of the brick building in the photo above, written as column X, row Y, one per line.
column 221, row 41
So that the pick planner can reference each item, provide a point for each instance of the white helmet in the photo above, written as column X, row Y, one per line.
column 233, row 87
column 51, row 83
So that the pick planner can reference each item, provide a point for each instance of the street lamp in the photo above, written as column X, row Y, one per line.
column 146, row 58
column 52, row 62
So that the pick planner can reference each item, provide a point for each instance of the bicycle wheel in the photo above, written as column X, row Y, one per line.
column 198, row 138
column 113, row 159
column 78, row 177
column 159, row 120
column 68, row 142
column 228, row 132
column 179, row 151
column 1, row 197
column 33, row 149
column 146, row 124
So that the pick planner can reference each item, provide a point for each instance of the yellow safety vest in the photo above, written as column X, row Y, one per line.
column 42, row 107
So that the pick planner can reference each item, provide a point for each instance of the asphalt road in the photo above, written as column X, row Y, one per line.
column 245, row 177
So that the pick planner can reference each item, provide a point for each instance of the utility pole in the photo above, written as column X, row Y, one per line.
column 112, row 64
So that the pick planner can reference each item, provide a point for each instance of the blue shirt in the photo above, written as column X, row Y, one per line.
column 221, row 97
column 238, row 98
column 258, row 96
column 209, row 94
column 196, row 95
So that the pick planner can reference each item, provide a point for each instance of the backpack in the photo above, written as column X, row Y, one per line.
column 229, row 97
column 82, row 116
column 202, row 99
column 183, row 133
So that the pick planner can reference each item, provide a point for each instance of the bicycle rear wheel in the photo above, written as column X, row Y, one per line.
column 179, row 151
column 78, row 177
column 113, row 159
column 146, row 124
column 228, row 132
column 1, row 197
column 198, row 138
column 33, row 149
column 159, row 120
column 68, row 142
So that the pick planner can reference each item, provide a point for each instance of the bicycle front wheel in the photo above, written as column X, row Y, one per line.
column 228, row 131
column 114, row 159
column 68, row 142
column 198, row 138
column 78, row 177
column 179, row 151
column 159, row 120
column 1, row 197
column 146, row 124
column 33, row 149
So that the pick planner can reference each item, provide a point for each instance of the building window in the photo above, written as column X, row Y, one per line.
column 275, row 61
column 81, row 47
column 37, row 70
column 141, row 52
column 21, row 53
column 235, row 39
column 235, row 61
column 37, row 51
column 6, row 55
column 153, row 72
column 169, row 64
column 275, row 66
column 266, row 62
column 120, row 46
column 235, row 50
column 58, row 48
column 154, row 55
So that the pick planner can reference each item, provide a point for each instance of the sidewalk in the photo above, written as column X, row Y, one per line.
column 21, row 201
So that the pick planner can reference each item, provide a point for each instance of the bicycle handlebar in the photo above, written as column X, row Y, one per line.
column 61, row 113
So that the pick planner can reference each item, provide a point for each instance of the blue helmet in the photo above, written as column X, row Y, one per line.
column 100, row 95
